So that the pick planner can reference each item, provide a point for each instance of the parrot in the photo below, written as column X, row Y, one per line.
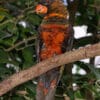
column 55, row 37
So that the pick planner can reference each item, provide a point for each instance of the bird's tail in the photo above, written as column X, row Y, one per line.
column 47, row 85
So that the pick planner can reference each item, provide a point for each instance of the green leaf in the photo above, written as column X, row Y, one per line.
column 28, row 57
column 5, row 72
column 16, row 97
column 3, row 56
column 82, row 65
column 1, row 17
column 11, row 27
column 89, row 68
column 94, row 70
column 5, row 14
column 4, row 34
column 78, row 95
column 34, row 19
column 7, row 42
column 70, row 94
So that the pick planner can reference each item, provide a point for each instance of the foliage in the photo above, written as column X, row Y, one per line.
column 18, row 31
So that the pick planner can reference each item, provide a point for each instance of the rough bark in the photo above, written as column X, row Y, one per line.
column 47, row 65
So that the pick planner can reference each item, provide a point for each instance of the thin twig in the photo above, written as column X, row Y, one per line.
column 20, row 43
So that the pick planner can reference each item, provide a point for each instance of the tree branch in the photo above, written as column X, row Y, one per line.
column 47, row 65
column 20, row 43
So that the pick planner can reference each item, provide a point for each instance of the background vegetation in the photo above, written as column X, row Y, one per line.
column 18, row 48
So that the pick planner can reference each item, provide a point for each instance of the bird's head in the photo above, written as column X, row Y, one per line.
column 42, row 7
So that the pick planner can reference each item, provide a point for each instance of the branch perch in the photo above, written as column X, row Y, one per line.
column 44, row 66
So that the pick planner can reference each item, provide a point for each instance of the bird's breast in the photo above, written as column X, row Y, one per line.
column 52, row 36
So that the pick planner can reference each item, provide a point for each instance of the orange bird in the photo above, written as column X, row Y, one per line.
column 55, row 37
